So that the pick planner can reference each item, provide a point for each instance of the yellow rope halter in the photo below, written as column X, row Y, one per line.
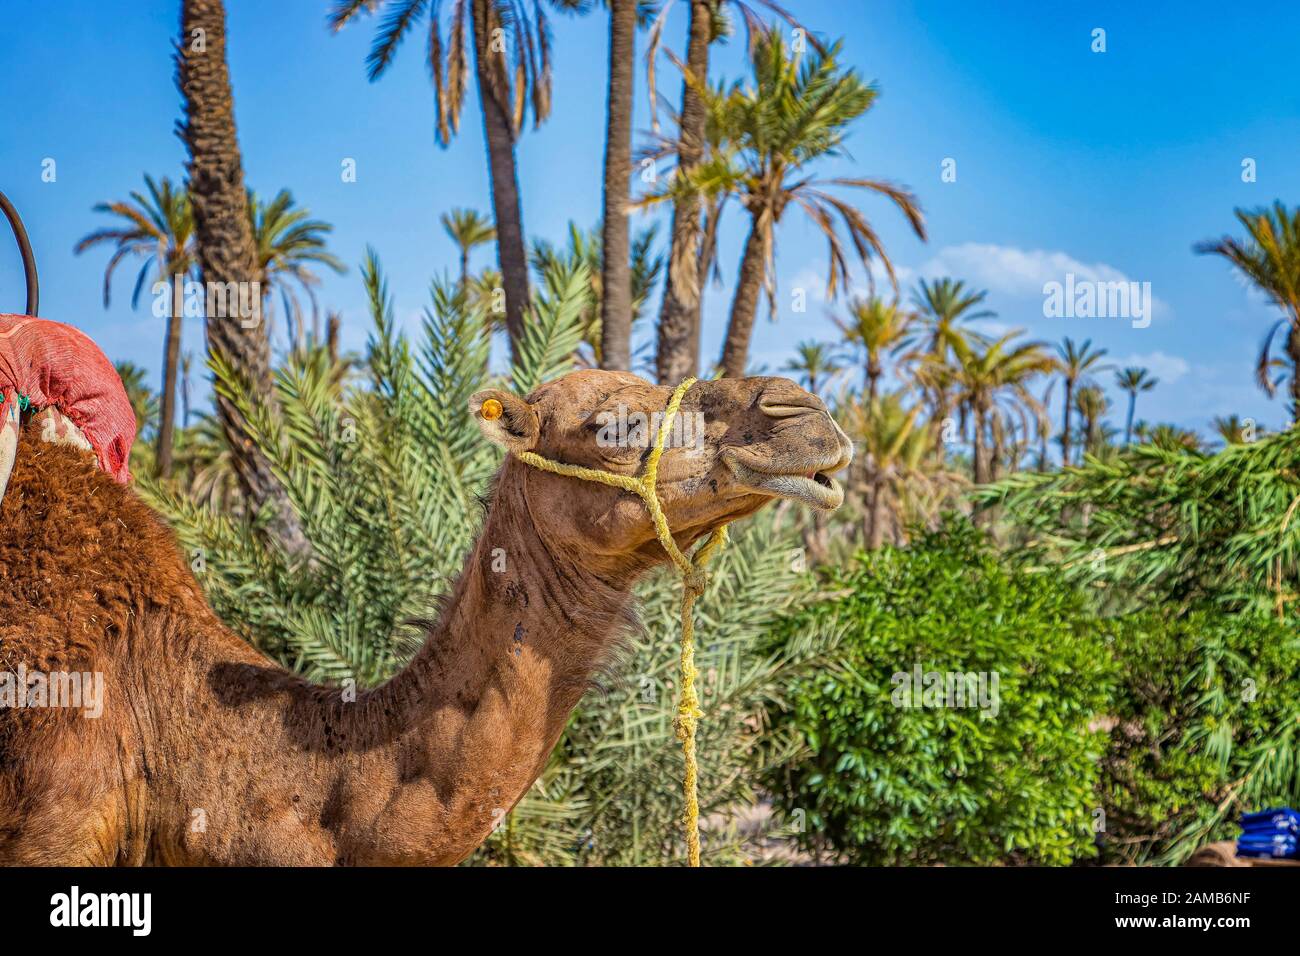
column 694, row 580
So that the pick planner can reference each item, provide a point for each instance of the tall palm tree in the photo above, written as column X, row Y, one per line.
column 468, row 229
column 289, row 242
column 993, row 381
column 227, row 251
column 944, row 307
column 1270, row 258
column 678, row 348
column 814, row 364
column 875, row 327
column 1133, row 380
column 512, row 66
column 796, row 112
column 1075, row 362
column 157, row 227
column 615, row 273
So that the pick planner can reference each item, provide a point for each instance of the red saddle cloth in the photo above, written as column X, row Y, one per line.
column 50, row 363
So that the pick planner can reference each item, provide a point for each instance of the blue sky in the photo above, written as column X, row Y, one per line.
column 1103, row 164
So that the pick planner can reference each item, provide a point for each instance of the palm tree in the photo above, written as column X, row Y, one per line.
column 944, row 306
column 227, row 251
column 876, row 327
column 1234, row 431
column 814, row 365
column 1091, row 403
column 1044, row 425
column 1075, row 362
column 289, row 243
column 512, row 66
column 1172, row 438
column 795, row 113
column 1133, row 380
column 468, row 229
column 678, row 348
column 157, row 227
column 895, row 444
column 992, row 382
column 615, row 274
column 1270, row 258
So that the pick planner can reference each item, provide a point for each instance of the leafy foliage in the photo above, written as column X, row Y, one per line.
column 1167, row 524
column 888, row 784
column 385, row 480
column 1207, row 725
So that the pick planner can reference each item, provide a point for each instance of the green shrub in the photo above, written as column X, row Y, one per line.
column 1013, row 778
column 1207, row 725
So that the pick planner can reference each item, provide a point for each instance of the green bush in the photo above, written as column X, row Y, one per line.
column 1207, row 724
column 1010, row 779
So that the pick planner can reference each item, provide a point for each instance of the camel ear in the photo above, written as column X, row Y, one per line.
column 506, row 420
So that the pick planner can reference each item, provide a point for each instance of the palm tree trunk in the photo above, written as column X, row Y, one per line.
column 678, row 353
column 940, row 398
column 1293, row 351
column 185, row 391
column 224, row 237
column 1128, row 427
column 980, row 470
column 498, row 132
column 464, row 267
column 171, row 362
column 740, row 326
column 877, row 539
column 616, row 268
column 333, row 327
column 1065, row 428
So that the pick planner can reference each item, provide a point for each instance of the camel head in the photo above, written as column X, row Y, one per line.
column 735, row 445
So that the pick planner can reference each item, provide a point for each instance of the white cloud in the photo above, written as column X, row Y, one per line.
column 1021, row 273
column 1005, row 271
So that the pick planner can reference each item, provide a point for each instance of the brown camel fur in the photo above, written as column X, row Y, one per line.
column 208, row 753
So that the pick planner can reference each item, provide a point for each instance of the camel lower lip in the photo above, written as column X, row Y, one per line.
column 813, row 488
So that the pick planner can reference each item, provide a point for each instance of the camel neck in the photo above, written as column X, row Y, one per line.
column 485, row 700
column 521, row 604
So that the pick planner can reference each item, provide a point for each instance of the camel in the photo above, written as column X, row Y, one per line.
column 204, row 752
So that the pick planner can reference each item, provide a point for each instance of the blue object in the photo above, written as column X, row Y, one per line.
column 1270, row 833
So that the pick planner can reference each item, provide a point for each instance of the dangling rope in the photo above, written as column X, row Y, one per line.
column 694, row 581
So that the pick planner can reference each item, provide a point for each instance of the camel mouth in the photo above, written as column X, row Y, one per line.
column 813, row 486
